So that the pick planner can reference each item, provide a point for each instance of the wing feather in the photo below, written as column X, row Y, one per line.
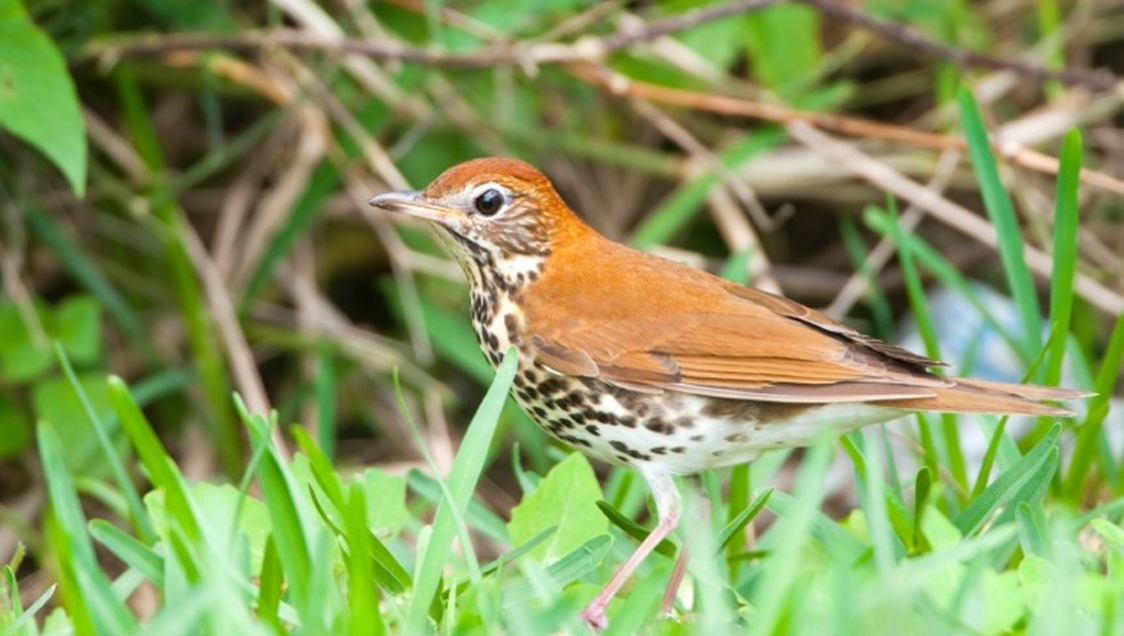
column 663, row 326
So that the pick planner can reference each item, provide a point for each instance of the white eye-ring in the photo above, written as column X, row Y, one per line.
column 489, row 199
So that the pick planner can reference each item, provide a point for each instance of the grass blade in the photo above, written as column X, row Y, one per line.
column 467, row 467
column 1009, row 485
column 90, row 600
column 1002, row 214
column 1065, row 254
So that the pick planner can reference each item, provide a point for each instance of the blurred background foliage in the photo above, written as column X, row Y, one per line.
column 183, row 187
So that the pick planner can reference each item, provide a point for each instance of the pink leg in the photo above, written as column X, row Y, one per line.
column 676, row 578
column 668, row 508
column 681, row 566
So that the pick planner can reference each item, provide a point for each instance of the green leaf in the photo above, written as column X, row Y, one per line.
column 77, row 326
column 55, row 400
column 784, row 44
column 567, row 497
column 38, row 102
column 25, row 350
column 16, row 426
column 386, row 500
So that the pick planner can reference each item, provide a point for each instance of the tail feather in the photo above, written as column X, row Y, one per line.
column 994, row 398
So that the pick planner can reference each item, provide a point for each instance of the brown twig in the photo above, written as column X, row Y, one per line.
column 944, row 210
column 850, row 126
column 585, row 49
column 1098, row 79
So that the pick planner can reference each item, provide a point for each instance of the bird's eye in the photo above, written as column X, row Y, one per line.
column 489, row 202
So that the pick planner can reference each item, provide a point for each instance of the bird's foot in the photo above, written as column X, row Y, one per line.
column 594, row 616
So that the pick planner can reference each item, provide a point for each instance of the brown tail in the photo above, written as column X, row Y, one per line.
column 995, row 398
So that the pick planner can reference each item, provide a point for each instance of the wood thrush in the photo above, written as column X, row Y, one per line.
column 643, row 362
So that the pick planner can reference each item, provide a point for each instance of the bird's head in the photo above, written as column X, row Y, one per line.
column 494, row 209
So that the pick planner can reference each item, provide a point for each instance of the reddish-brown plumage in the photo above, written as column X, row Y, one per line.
column 646, row 362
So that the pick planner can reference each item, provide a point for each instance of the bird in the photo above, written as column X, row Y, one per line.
column 644, row 362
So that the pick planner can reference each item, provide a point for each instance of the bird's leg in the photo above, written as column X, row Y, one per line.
column 668, row 508
column 676, row 578
column 681, row 564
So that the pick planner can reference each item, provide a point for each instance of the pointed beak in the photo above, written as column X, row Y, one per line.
column 413, row 203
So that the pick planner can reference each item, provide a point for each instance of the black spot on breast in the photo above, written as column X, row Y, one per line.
column 735, row 438
column 538, row 411
column 697, row 438
column 574, row 440
column 593, row 430
column 551, row 386
column 679, row 450
column 619, row 445
column 658, row 450
column 657, row 425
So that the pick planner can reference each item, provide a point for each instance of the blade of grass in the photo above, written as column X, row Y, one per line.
column 85, row 270
column 1090, row 432
column 326, row 400
column 1002, row 214
column 90, row 600
column 162, row 470
column 1065, row 253
column 467, row 467
column 270, row 586
column 797, row 523
column 1009, row 484
column 134, row 553
column 362, row 596
column 137, row 513
column 924, row 318
column 734, row 527
column 26, row 616
column 289, row 531
column 205, row 348
column 635, row 530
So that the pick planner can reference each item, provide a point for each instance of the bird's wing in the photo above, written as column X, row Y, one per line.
column 669, row 328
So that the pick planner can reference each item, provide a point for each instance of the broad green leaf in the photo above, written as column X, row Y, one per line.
column 16, row 427
column 55, row 401
column 77, row 326
column 38, row 102
column 784, row 44
column 385, row 500
column 567, row 497
column 25, row 349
